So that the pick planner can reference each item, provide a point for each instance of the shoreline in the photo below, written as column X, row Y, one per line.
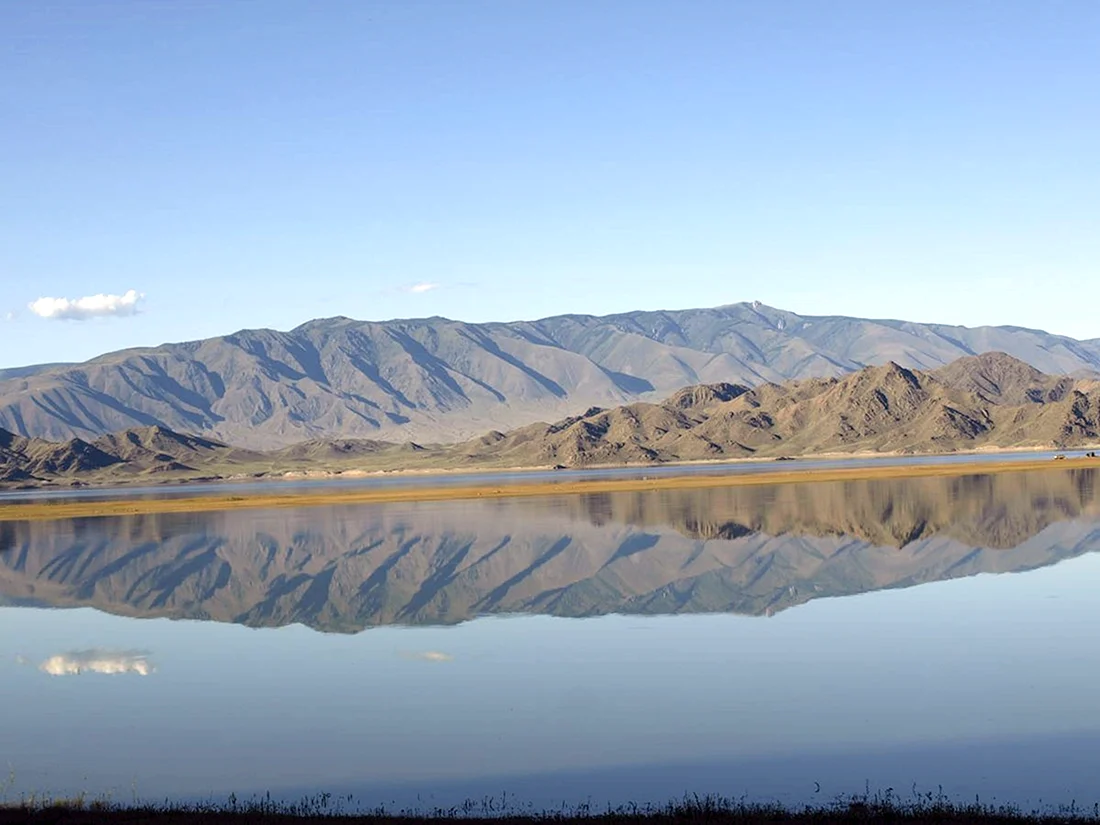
column 61, row 509
column 352, row 472
column 124, row 483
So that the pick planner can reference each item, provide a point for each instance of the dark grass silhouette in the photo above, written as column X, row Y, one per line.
column 879, row 808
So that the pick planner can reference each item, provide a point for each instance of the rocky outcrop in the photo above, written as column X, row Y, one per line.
column 990, row 401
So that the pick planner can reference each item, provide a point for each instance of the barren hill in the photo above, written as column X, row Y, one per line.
column 25, row 459
column 987, row 401
column 155, row 453
column 438, row 380
column 992, row 400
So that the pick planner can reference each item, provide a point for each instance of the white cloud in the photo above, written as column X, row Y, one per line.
column 422, row 287
column 90, row 306
column 10, row 316
column 98, row 661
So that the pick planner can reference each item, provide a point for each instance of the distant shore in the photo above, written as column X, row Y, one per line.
column 363, row 469
column 316, row 474
column 33, row 510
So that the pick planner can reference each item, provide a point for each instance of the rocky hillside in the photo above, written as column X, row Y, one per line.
column 28, row 459
column 132, row 452
column 145, row 452
column 437, row 380
column 992, row 400
column 986, row 401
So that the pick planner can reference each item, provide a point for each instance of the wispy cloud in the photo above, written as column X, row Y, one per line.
column 90, row 306
column 10, row 316
column 420, row 288
column 98, row 661
column 427, row 656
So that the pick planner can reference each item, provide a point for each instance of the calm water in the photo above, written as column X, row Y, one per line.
column 611, row 648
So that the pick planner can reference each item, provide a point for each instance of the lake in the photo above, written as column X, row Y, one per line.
column 787, row 642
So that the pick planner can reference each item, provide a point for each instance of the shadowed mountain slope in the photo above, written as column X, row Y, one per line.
column 24, row 459
column 440, row 380
column 751, row 551
column 988, row 401
column 991, row 400
column 138, row 454
column 152, row 445
column 117, row 456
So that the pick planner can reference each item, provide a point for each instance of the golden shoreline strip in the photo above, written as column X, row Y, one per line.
column 62, row 509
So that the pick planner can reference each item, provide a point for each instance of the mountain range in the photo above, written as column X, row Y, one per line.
column 986, row 401
column 990, row 400
column 439, row 380
column 749, row 550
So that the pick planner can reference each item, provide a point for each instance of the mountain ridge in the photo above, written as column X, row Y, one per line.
column 878, row 409
column 990, row 401
column 442, row 380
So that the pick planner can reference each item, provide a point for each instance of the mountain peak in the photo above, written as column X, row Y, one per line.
column 433, row 380
column 335, row 320
column 705, row 395
column 1000, row 377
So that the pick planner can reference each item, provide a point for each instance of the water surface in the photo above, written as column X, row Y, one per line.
column 616, row 647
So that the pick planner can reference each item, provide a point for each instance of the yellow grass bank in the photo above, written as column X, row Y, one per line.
column 122, row 506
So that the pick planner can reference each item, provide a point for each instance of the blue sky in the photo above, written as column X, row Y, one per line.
column 261, row 163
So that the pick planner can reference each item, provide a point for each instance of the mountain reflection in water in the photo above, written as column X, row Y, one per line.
column 749, row 550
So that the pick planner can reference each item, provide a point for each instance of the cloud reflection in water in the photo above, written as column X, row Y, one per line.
column 427, row 656
column 109, row 662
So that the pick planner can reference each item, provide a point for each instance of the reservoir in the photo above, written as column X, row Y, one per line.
column 793, row 642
